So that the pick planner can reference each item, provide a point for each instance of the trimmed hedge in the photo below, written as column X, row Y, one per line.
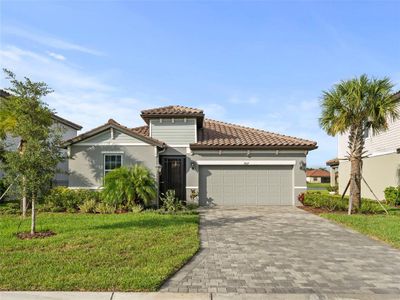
column 392, row 195
column 336, row 203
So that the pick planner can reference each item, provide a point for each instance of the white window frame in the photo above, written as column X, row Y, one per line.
column 111, row 154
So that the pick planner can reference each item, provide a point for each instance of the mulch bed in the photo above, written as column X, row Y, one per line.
column 318, row 211
column 36, row 235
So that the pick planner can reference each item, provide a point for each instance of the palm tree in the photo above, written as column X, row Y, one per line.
column 353, row 107
column 129, row 185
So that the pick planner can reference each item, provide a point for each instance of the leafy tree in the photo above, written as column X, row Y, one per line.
column 34, row 165
column 126, row 186
column 353, row 107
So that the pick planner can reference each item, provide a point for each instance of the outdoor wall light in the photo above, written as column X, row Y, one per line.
column 193, row 165
column 159, row 168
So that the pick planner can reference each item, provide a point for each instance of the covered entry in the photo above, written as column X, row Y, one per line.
column 246, row 184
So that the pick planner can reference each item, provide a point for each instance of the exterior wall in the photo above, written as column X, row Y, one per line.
column 174, row 131
column 379, row 172
column 111, row 137
column 314, row 179
column 298, row 156
column 86, row 163
column 333, row 172
column 61, row 178
column 383, row 143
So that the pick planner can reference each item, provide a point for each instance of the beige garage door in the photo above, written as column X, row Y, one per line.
column 246, row 185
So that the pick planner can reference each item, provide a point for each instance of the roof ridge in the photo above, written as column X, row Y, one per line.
column 259, row 130
column 173, row 106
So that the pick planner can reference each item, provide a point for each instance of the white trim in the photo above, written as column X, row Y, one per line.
column 247, row 162
column 195, row 131
column 104, row 160
column 112, row 152
column 382, row 153
column 112, row 144
column 192, row 187
column 293, row 194
column 150, row 128
column 300, row 187
column 85, row 187
column 112, row 132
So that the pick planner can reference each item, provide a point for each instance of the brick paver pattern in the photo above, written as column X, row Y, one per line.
column 285, row 250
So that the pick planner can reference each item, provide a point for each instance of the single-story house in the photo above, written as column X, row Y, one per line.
column 318, row 176
column 226, row 164
column 333, row 170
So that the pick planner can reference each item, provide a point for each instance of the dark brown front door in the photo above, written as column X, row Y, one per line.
column 173, row 175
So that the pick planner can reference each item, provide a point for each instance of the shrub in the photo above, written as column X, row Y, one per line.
column 3, row 187
column 104, row 208
column 170, row 202
column 300, row 197
column 9, row 208
column 333, row 189
column 62, row 199
column 126, row 186
column 336, row 203
column 89, row 206
column 392, row 195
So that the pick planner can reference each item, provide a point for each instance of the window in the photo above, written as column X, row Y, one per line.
column 111, row 162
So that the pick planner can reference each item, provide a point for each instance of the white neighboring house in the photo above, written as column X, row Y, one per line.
column 382, row 166
column 69, row 130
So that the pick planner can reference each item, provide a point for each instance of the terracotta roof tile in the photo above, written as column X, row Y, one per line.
column 219, row 135
column 317, row 173
column 173, row 110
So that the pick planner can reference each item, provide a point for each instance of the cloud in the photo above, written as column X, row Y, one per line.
column 48, row 41
column 56, row 56
column 79, row 96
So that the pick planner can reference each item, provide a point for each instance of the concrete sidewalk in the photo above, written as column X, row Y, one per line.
column 182, row 296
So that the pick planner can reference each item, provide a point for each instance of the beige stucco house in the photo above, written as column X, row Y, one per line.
column 226, row 164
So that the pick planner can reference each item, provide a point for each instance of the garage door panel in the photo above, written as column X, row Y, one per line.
column 246, row 185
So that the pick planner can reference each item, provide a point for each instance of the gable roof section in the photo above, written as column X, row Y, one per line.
column 317, row 173
column 220, row 135
column 173, row 111
column 113, row 124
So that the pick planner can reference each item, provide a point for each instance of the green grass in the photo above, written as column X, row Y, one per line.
column 123, row 252
column 311, row 185
column 382, row 227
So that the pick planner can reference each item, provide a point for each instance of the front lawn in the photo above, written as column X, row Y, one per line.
column 311, row 185
column 123, row 252
column 382, row 227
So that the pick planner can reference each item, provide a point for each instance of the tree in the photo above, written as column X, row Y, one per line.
column 125, row 186
column 34, row 164
column 353, row 107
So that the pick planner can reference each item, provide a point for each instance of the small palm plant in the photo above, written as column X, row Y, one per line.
column 127, row 186
column 353, row 107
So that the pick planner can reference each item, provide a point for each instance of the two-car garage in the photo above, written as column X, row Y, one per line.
column 246, row 183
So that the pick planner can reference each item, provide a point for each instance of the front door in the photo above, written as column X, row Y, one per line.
column 173, row 175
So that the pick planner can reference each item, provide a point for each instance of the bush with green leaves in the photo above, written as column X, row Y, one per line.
column 63, row 199
column 89, row 206
column 127, row 186
column 9, row 208
column 336, row 203
column 392, row 195
column 105, row 208
column 170, row 202
column 333, row 189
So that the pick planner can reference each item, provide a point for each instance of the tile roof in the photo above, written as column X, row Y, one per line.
column 173, row 110
column 317, row 173
column 221, row 135
column 332, row 162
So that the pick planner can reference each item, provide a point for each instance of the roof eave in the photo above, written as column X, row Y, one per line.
column 250, row 147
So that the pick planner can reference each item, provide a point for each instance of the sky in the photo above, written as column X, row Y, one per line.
column 261, row 64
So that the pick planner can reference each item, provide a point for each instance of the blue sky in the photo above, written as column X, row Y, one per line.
column 260, row 64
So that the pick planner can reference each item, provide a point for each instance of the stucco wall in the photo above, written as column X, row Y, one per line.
column 174, row 131
column 379, row 172
column 86, row 163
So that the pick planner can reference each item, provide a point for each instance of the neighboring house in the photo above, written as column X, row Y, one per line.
column 334, row 171
column 226, row 164
column 68, row 130
column 381, row 167
column 318, row 176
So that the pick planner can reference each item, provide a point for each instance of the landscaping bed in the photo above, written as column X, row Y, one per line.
column 96, row 252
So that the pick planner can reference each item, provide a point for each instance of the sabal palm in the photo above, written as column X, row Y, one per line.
column 128, row 185
column 352, row 107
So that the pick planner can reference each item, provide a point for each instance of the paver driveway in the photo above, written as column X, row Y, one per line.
column 285, row 250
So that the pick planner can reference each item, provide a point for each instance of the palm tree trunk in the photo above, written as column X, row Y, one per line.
column 356, row 146
column 33, row 223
